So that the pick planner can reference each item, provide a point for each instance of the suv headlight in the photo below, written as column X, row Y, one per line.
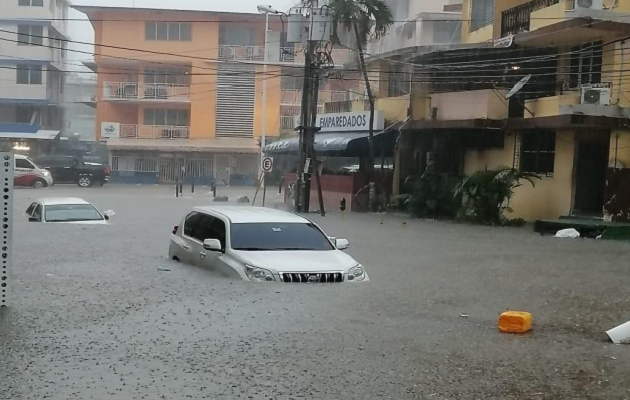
column 356, row 273
column 259, row 274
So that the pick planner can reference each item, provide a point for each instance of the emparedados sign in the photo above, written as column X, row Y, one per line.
column 349, row 122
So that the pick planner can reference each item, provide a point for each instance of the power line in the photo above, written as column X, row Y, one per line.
column 433, row 65
column 461, row 64
column 405, row 21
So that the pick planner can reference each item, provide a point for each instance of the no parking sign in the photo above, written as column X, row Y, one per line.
column 267, row 164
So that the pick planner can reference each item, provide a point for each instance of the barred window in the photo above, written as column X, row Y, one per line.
column 538, row 152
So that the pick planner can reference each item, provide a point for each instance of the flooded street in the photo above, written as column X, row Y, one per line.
column 100, row 312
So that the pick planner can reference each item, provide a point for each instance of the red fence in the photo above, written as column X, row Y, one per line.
column 352, row 187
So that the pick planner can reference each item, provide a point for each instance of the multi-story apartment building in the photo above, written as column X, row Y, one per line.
column 537, row 85
column 182, row 91
column 420, row 23
column 32, row 57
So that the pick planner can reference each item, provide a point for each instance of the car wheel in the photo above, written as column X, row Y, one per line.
column 84, row 181
column 38, row 183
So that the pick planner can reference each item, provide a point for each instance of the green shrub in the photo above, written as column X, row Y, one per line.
column 486, row 194
column 430, row 195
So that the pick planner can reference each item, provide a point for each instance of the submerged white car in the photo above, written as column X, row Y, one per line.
column 263, row 245
column 70, row 210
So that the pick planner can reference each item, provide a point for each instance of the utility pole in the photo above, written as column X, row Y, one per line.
column 304, row 184
column 307, row 159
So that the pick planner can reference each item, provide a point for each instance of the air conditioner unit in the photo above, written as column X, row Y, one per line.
column 596, row 96
column 588, row 4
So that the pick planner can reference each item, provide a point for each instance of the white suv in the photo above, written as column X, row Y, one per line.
column 263, row 245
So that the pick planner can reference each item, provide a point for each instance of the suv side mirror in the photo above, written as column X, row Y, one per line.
column 212, row 245
column 342, row 244
column 33, row 219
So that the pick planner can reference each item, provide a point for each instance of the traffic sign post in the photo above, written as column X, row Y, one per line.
column 7, row 227
column 267, row 166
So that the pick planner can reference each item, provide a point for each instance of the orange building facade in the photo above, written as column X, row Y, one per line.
column 180, row 93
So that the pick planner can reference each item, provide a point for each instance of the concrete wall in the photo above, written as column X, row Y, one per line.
column 483, row 104
column 10, row 48
column 619, row 149
column 549, row 15
column 394, row 108
column 11, row 90
column 550, row 106
column 550, row 197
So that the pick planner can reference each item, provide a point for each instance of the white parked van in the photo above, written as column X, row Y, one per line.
column 27, row 173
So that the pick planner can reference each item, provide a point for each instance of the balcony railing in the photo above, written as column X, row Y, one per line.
column 130, row 131
column 292, row 55
column 145, row 91
column 347, row 106
column 517, row 20
column 287, row 55
column 242, row 53
column 287, row 122
column 325, row 96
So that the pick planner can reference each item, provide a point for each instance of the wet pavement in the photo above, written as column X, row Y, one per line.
column 94, row 317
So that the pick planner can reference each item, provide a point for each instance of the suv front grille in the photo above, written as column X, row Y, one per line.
column 329, row 277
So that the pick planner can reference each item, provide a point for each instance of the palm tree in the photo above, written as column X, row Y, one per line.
column 367, row 19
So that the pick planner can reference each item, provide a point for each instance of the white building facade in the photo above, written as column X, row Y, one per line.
column 33, row 58
column 420, row 23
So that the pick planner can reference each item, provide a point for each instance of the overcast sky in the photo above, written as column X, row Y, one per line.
column 82, row 31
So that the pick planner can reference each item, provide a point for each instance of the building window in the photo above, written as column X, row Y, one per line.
column 481, row 13
column 173, row 76
column 236, row 35
column 29, row 75
column 27, row 115
column 164, row 117
column 398, row 81
column 168, row 31
column 30, row 35
column 31, row 3
column 538, row 152
column 586, row 64
column 446, row 31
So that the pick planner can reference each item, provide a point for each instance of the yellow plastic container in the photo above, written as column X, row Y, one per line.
column 515, row 322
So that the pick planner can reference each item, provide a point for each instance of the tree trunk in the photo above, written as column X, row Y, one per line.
column 368, row 88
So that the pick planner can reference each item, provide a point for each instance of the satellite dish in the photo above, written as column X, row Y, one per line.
column 518, row 86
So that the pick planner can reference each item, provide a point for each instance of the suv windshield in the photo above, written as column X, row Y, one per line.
column 278, row 236
column 72, row 212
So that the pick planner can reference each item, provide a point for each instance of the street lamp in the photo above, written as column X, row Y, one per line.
column 263, row 9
